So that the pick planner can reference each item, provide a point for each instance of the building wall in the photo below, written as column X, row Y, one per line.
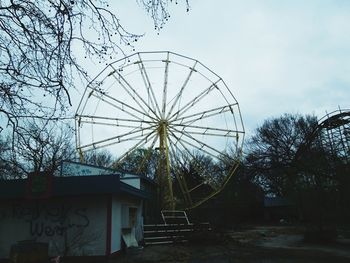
column 72, row 226
column 133, row 181
column 122, row 217
column 116, row 225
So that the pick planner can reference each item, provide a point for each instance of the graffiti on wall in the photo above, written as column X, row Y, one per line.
column 49, row 219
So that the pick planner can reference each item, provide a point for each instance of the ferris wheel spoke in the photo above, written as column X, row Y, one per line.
column 201, row 130
column 187, row 120
column 77, row 134
column 87, row 117
column 118, row 139
column 184, row 149
column 139, row 144
column 122, row 106
column 148, row 154
column 82, row 104
column 135, row 131
column 97, row 123
column 202, row 145
column 148, row 86
column 109, row 124
column 195, row 100
column 202, row 171
column 179, row 177
column 183, row 141
column 179, row 95
column 117, row 122
column 134, row 94
column 165, row 86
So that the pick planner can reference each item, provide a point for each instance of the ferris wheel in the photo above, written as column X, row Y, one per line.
column 175, row 111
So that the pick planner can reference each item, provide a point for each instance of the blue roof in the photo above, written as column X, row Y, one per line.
column 84, row 169
column 72, row 186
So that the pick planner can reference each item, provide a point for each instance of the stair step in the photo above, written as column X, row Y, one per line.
column 167, row 231
column 165, row 242
column 158, row 234
column 164, row 237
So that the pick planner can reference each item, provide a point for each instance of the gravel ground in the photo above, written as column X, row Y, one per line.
column 255, row 244
column 226, row 254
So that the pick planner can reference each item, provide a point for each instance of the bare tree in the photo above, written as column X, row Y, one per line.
column 37, row 65
column 271, row 151
column 158, row 10
column 140, row 161
column 101, row 158
column 41, row 147
column 6, row 167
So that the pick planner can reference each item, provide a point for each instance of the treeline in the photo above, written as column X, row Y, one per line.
column 292, row 158
column 41, row 146
column 287, row 156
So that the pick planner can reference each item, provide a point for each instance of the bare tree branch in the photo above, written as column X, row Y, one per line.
column 37, row 65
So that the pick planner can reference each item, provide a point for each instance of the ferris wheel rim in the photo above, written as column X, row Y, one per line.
column 157, row 112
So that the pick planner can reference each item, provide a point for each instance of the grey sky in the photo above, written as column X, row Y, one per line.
column 276, row 56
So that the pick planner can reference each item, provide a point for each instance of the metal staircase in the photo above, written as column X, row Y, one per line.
column 176, row 229
column 174, row 217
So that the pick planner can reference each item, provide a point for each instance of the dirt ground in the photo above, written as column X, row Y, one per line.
column 250, row 244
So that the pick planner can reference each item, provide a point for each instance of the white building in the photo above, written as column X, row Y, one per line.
column 85, row 211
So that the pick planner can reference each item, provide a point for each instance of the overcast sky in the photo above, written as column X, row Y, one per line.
column 276, row 56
